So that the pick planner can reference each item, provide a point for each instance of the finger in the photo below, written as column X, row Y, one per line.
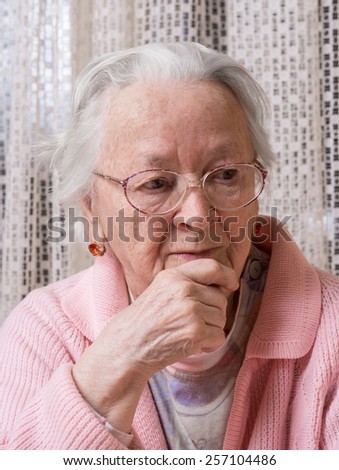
column 210, row 296
column 196, row 335
column 213, row 316
column 214, row 337
column 209, row 272
column 198, row 313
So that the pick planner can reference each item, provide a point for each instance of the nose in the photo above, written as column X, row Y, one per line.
column 195, row 208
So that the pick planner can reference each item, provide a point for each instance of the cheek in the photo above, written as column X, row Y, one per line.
column 239, row 226
column 138, row 246
column 128, row 235
column 139, row 232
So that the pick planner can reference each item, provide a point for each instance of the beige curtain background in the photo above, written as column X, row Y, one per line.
column 291, row 47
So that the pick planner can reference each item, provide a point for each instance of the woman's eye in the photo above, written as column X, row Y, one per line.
column 156, row 183
column 225, row 175
column 228, row 174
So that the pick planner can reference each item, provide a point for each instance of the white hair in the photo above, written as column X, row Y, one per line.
column 73, row 153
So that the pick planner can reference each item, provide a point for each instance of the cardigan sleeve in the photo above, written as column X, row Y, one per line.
column 40, row 405
column 329, row 438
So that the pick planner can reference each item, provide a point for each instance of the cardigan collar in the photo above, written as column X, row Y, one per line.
column 100, row 293
column 287, row 320
column 289, row 315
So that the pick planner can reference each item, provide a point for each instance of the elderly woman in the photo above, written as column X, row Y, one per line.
column 200, row 325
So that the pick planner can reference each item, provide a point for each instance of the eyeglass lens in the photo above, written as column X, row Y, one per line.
column 226, row 188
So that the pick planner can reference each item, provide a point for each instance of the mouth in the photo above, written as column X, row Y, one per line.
column 178, row 257
column 191, row 255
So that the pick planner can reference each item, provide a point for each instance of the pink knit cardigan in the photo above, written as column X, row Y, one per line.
column 286, row 394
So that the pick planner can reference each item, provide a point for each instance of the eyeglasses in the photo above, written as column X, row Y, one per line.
column 227, row 187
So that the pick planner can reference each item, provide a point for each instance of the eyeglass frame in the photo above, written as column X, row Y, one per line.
column 257, row 165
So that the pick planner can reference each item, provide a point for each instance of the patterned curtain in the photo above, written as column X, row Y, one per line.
column 290, row 47
column 329, row 66
column 36, row 84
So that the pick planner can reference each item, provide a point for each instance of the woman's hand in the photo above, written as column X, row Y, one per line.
column 181, row 313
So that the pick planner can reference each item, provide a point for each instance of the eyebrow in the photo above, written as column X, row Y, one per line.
column 224, row 149
column 221, row 150
column 155, row 160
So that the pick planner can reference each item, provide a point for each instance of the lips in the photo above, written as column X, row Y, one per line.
column 190, row 255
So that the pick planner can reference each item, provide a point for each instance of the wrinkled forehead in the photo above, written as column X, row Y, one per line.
column 166, row 120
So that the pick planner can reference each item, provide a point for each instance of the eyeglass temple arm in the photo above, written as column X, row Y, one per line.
column 262, row 169
column 110, row 178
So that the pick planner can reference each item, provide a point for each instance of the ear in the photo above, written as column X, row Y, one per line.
column 94, row 232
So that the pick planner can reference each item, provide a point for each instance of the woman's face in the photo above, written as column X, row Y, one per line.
column 189, row 129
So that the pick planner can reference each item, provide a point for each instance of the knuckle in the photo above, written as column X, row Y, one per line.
column 214, row 265
column 223, row 305
column 192, row 309
column 185, row 289
column 196, row 331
